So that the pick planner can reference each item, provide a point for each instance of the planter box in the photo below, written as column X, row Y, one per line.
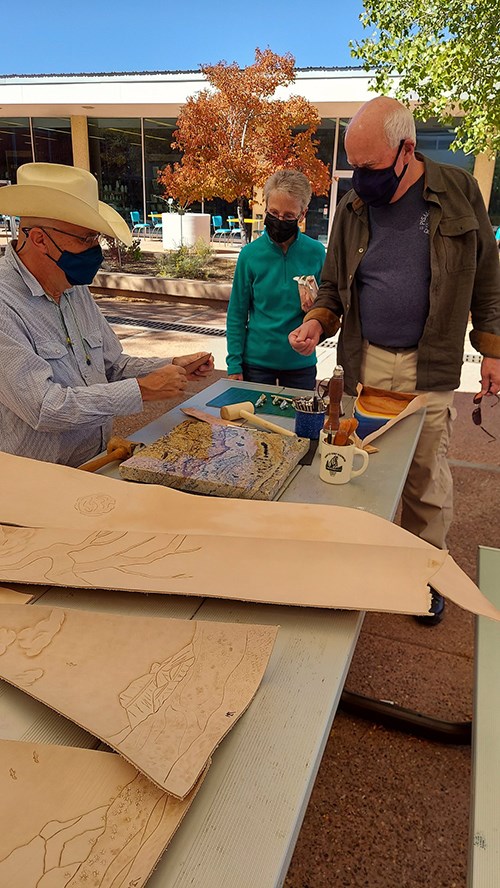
column 118, row 283
column 184, row 230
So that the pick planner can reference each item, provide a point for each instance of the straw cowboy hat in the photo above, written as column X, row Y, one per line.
column 63, row 193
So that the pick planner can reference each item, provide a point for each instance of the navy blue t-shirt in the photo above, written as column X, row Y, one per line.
column 394, row 275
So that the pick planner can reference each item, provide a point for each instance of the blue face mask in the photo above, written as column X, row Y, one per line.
column 377, row 187
column 79, row 268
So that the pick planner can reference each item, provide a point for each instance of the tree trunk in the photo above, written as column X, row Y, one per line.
column 241, row 217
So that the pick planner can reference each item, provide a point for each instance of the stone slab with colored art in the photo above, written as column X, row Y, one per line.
column 218, row 461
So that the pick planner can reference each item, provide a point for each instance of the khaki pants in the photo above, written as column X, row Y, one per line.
column 428, row 491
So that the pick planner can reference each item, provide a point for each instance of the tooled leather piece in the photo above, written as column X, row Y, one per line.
column 381, row 401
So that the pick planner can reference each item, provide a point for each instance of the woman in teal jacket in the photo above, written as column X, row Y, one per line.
column 265, row 304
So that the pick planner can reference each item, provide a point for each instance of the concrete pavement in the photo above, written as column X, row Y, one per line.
column 191, row 315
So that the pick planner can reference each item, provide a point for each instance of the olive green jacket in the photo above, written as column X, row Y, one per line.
column 465, row 279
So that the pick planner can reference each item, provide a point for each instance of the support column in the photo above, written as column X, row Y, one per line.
column 258, row 209
column 80, row 142
column 484, row 168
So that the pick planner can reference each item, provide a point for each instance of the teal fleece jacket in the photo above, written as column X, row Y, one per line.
column 265, row 306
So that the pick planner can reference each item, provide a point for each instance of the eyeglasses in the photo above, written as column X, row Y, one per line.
column 90, row 240
column 477, row 417
column 284, row 217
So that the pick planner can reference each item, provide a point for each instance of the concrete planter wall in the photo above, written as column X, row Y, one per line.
column 184, row 229
column 117, row 283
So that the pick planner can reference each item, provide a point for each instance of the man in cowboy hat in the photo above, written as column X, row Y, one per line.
column 63, row 374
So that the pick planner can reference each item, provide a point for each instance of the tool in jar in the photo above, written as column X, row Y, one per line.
column 335, row 392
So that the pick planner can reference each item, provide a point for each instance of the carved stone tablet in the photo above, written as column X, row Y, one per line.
column 218, row 460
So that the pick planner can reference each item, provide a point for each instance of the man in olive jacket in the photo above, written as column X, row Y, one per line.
column 410, row 257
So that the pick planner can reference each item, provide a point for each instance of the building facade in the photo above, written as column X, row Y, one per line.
column 120, row 127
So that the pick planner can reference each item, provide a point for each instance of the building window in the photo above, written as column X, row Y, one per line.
column 15, row 146
column 434, row 140
column 52, row 140
column 158, row 152
column 116, row 161
column 319, row 208
column 342, row 162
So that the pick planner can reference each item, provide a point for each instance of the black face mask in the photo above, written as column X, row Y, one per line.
column 377, row 187
column 280, row 230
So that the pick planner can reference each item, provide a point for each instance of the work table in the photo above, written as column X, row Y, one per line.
column 242, row 827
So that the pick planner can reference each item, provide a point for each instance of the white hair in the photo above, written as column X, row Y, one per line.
column 291, row 182
column 399, row 125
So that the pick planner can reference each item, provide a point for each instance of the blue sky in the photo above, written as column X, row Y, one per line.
column 59, row 36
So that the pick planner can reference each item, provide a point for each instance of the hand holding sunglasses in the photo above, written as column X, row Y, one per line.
column 477, row 417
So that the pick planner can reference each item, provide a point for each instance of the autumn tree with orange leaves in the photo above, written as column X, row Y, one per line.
column 234, row 134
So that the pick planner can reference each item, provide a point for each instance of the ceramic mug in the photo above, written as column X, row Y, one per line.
column 336, row 462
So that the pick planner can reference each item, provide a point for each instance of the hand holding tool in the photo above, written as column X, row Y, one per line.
column 196, row 363
column 117, row 449
column 245, row 410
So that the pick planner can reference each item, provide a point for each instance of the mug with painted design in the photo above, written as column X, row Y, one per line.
column 337, row 461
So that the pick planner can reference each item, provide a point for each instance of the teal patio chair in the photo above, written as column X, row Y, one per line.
column 218, row 229
column 157, row 224
column 234, row 226
column 137, row 225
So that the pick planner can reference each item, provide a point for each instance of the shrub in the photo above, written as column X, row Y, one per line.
column 187, row 262
column 117, row 252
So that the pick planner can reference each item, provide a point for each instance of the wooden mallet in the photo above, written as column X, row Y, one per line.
column 245, row 410
column 117, row 449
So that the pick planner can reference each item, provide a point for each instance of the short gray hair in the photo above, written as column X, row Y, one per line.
column 291, row 182
column 399, row 125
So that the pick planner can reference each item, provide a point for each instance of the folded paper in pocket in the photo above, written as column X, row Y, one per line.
column 378, row 409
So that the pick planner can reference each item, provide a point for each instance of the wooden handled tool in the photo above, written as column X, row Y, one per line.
column 196, row 362
column 347, row 427
column 245, row 410
column 335, row 392
column 117, row 449
column 207, row 417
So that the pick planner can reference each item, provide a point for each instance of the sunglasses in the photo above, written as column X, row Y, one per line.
column 477, row 417
column 322, row 391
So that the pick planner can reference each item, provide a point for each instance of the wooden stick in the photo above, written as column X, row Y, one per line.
column 207, row 417
column 265, row 424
